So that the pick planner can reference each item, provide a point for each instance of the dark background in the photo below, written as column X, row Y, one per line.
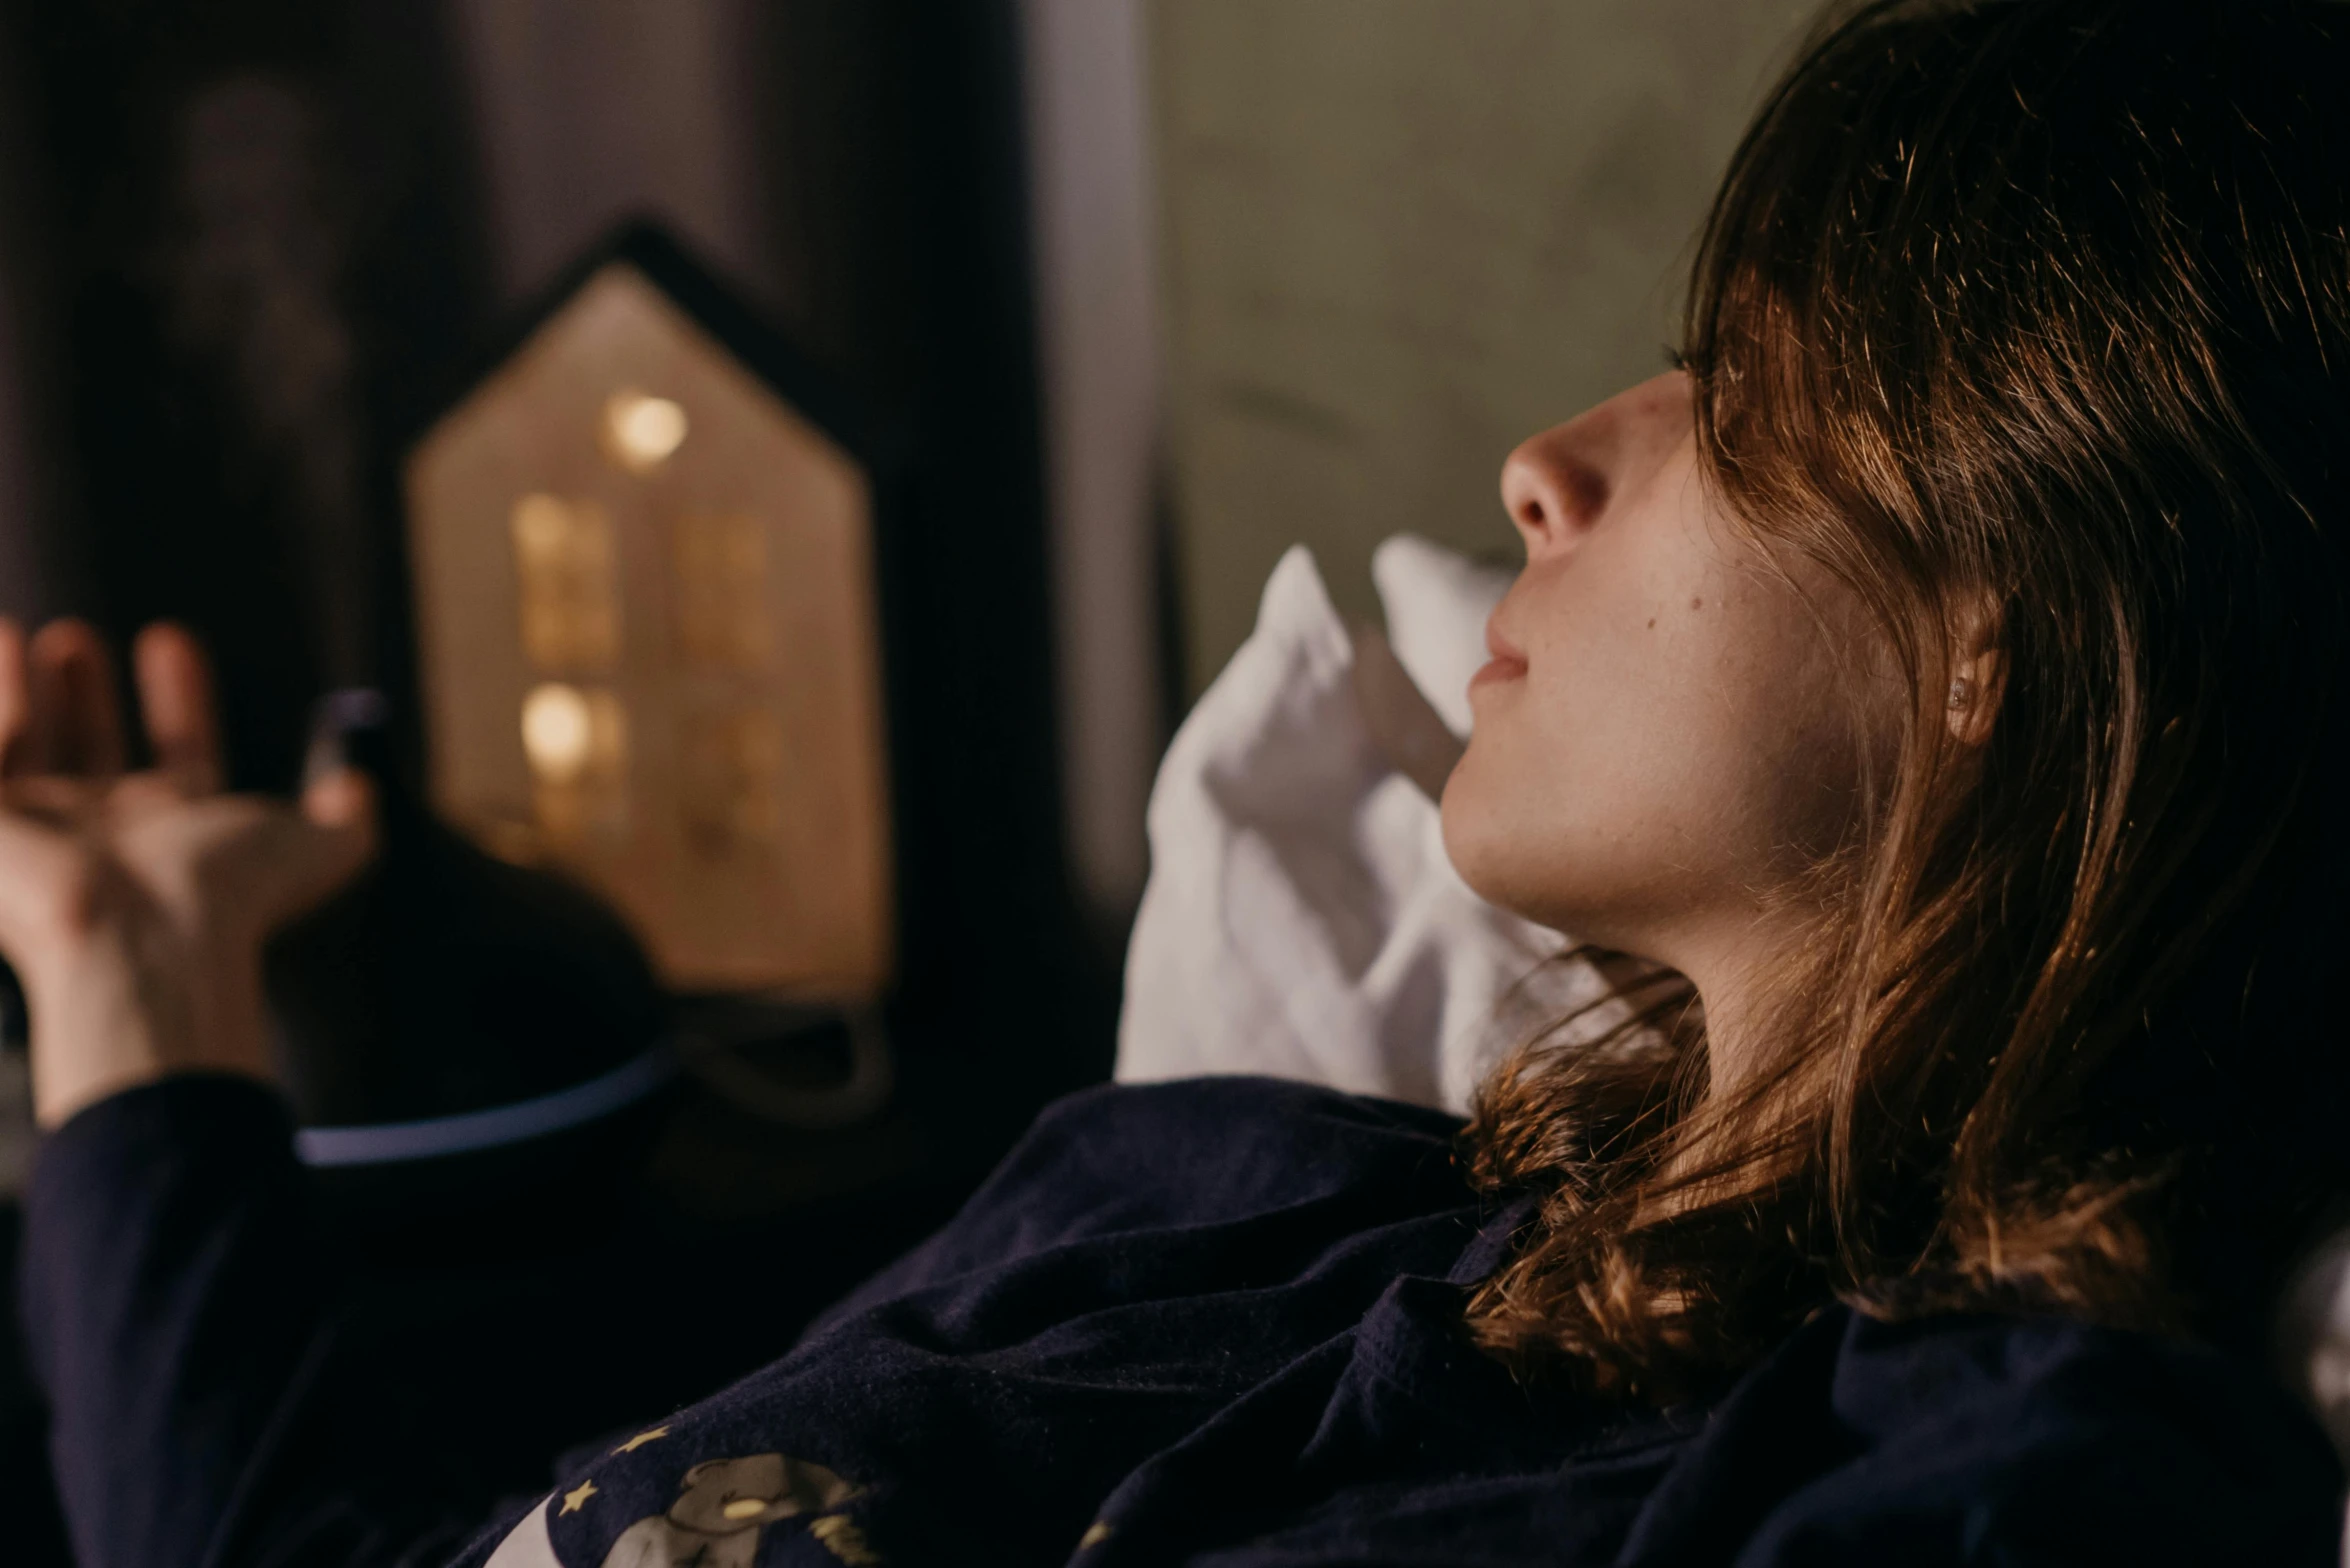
column 245, row 259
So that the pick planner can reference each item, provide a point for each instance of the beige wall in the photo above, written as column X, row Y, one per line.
column 1401, row 234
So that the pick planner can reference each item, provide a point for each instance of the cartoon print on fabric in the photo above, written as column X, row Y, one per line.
column 722, row 1505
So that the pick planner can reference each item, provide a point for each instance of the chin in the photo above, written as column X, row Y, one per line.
column 1511, row 859
column 1476, row 840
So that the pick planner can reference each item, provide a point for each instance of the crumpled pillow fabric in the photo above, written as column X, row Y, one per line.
column 1301, row 919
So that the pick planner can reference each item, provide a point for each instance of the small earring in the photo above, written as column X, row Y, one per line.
column 1962, row 694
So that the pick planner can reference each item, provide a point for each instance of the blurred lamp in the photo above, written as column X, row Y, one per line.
column 649, row 644
column 640, row 431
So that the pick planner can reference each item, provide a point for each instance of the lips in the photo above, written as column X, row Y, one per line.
column 1507, row 663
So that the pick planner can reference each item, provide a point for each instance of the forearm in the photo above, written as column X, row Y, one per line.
column 175, row 1304
column 122, row 991
column 175, row 1296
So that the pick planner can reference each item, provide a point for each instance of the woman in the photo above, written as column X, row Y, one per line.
column 1936, row 672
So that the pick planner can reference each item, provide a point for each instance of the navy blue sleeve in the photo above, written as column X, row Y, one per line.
column 173, row 1310
column 179, row 1308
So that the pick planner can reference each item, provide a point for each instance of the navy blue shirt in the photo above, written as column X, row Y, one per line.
column 1211, row 1322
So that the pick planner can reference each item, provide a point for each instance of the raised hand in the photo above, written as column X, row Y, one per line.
column 134, row 905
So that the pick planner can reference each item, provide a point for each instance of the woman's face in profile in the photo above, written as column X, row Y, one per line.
column 1671, row 727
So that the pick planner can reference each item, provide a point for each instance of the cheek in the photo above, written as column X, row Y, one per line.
column 1583, row 779
column 1641, row 774
column 1825, row 726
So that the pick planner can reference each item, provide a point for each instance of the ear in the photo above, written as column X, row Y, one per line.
column 1978, row 676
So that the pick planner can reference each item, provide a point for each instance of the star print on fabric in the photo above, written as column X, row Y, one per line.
column 641, row 1439
column 576, row 1499
column 844, row 1540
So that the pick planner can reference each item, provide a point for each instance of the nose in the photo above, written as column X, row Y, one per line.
column 1555, row 486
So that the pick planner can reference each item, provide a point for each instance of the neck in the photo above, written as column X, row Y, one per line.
column 1731, row 977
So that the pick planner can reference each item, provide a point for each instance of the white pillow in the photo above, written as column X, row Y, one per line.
column 1301, row 919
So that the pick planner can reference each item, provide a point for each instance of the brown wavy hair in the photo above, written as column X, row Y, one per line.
column 2028, row 320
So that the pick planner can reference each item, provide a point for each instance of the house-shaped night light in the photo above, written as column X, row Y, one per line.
column 648, row 633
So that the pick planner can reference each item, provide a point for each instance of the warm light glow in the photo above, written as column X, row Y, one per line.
column 641, row 431
column 746, row 1508
column 542, row 526
column 558, row 732
column 564, row 566
column 576, row 740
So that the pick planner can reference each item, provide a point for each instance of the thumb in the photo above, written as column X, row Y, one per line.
column 320, row 850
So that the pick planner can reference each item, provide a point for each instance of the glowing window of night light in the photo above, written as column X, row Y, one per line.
column 569, row 600
column 640, row 431
column 720, row 567
column 649, row 645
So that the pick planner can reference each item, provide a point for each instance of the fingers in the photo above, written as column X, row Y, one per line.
column 340, row 797
column 234, row 868
column 59, row 713
column 75, row 723
column 16, row 700
column 334, row 838
column 176, row 698
column 305, row 858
